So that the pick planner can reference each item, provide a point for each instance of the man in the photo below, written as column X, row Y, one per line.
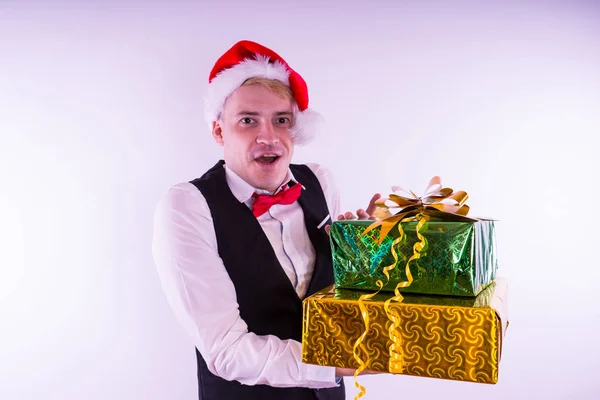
column 239, row 248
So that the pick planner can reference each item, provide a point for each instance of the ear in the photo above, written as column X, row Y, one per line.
column 217, row 132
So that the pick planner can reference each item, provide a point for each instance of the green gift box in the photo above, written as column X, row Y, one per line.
column 460, row 259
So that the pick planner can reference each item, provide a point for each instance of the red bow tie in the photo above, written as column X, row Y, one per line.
column 262, row 202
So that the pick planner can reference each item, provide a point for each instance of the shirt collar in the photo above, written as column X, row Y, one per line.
column 243, row 191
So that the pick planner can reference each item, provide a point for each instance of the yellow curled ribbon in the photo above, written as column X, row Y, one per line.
column 401, row 206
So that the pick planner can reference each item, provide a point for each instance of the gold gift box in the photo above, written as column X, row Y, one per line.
column 441, row 337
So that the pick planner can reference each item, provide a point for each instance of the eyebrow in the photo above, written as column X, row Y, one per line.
column 256, row 113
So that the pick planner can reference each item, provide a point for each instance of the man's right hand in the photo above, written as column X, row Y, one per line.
column 351, row 371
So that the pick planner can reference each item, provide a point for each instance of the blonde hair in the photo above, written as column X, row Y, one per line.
column 282, row 90
column 275, row 86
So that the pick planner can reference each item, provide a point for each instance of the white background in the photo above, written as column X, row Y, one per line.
column 101, row 111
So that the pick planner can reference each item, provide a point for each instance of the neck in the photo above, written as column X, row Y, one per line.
column 272, row 191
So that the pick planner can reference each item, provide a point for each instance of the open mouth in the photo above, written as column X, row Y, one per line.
column 267, row 159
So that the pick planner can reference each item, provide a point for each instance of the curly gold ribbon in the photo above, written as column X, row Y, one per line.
column 437, row 201
column 362, row 365
column 396, row 363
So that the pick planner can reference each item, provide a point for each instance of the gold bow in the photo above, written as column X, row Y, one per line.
column 403, row 204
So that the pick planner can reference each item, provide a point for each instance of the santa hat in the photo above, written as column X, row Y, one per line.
column 246, row 60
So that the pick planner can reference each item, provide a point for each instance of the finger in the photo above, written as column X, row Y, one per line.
column 362, row 214
column 344, row 371
column 370, row 372
column 372, row 207
column 349, row 215
column 341, row 217
column 327, row 228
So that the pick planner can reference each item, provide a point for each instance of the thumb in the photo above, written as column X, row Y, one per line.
column 372, row 207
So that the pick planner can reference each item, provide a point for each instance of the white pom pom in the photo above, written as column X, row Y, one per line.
column 307, row 125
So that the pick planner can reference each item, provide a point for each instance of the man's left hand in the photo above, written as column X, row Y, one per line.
column 362, row 214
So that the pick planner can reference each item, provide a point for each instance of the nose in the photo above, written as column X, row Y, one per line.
column 267, row 134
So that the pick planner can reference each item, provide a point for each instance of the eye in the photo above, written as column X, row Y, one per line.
column 246, row 120
column 283, row 120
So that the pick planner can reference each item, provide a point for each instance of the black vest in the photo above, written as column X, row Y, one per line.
column 267, row 300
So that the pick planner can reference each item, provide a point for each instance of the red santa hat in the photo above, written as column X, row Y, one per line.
column 246, row 60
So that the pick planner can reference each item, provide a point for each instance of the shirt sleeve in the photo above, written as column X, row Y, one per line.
column 203, row 298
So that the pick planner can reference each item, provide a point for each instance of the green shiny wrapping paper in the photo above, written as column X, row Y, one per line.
column 461, row 259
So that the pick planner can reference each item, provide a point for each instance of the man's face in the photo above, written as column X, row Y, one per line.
column 254, row 131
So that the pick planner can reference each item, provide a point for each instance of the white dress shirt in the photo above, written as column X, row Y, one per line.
column 202, row 295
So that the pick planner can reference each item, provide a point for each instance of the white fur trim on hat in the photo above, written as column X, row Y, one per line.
column 227, row 81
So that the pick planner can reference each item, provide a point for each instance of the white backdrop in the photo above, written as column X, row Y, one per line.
column 101, row 111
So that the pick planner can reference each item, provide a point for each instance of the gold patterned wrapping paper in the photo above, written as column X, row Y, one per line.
column 441, row 337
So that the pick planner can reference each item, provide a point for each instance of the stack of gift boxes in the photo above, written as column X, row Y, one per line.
column 420, row 299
